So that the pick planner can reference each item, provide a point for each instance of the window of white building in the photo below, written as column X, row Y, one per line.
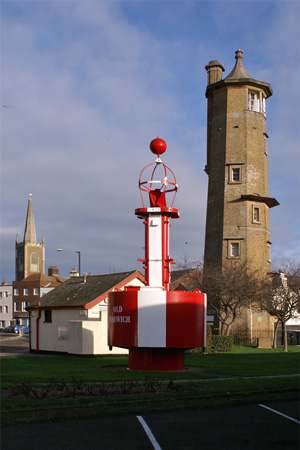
column 47, row 316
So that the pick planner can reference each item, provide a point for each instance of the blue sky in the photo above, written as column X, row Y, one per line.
column 90, row 83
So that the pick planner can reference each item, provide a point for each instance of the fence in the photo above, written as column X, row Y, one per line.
column 243, row 337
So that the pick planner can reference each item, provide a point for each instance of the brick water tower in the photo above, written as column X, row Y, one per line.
column 238, row 202
column 155, row 324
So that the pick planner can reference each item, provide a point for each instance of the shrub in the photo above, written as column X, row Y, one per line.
column 214, row 343
column 222, row 343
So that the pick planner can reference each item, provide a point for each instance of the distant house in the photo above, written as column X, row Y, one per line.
column 185, row 280
column 72, row 318
column 6, row 310
column 287, row 304
column 30, row 289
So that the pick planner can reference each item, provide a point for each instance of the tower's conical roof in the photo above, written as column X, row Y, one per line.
column 30, row 234
column 238, row 72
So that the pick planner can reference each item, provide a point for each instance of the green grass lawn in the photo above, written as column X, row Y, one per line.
column 206, row 378
column 249, row 362
column 243, row 361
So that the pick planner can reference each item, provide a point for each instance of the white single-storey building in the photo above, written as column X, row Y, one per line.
column 72, row 318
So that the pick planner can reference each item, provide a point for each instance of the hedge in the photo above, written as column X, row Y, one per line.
column 215, row 343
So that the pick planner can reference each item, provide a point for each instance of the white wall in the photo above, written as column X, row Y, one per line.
column 89, row 337
column 72, row 332
column 45, row 290
column 295, row 321
column 51, row 335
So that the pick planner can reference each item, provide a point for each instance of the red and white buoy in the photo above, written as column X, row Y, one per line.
column 157, row 325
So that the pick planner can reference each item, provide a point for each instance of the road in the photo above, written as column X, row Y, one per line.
column 243, row 427
column 13, row 345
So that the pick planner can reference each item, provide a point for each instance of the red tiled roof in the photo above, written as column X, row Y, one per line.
column 45, row 280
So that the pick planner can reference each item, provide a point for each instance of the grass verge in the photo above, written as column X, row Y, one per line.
column 243, row 361
column 211, row 380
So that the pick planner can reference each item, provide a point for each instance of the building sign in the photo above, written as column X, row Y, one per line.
column 122, row 319
column 63, row 331
column 102, row 307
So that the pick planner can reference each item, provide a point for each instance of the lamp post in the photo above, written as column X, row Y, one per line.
column 74, row 251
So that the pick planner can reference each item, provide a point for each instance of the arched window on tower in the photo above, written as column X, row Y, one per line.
column 34, row 262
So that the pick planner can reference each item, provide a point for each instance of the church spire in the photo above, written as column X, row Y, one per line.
column 30, row 234
column 30, row 254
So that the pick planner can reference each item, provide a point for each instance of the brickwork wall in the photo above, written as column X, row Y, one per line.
column 236, row 137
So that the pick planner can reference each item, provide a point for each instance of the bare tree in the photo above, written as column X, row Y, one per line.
column 281, row 299
column 230, row 289
column 191, row 275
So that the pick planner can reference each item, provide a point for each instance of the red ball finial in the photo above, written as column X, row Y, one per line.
column 158, row 146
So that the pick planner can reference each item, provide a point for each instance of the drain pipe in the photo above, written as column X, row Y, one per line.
column 38, row 328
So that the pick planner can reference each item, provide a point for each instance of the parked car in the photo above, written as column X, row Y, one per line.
column 17, row 328
column 8, row 329
column 21, row 328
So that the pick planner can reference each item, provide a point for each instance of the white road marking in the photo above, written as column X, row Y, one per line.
column 149, row 433
column 277, row 412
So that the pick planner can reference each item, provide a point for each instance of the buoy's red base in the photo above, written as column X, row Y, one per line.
column 156, row 359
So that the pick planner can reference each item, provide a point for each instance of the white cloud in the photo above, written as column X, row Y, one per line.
column 90, row 84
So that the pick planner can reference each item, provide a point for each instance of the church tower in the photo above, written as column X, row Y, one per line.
column 237, row 221
column 30, row 255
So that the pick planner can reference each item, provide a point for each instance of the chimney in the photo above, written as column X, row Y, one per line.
column 214, row 72
column 74, row 273
column 52, row 271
